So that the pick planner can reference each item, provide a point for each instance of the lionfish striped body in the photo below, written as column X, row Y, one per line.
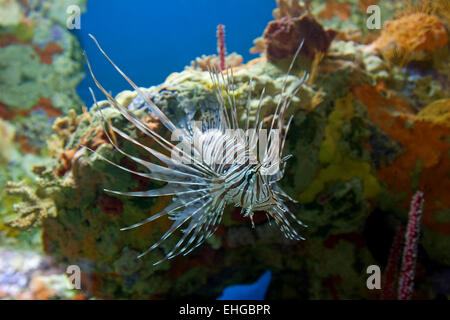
column 215, row 163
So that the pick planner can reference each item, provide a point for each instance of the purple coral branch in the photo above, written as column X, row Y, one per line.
column 221, row 45
column 406, row 284
column 392, row 267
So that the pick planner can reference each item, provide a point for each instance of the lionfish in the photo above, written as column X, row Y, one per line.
column 215, row 163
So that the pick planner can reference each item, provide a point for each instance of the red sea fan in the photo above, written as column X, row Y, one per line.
column 392, row 267
column 221, row 45
column 406, row 284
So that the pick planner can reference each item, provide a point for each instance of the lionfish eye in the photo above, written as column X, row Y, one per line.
column 249, row 175
column 226, row 168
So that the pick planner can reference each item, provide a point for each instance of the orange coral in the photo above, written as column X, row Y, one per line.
column 290, row 8
column 349, row 35
column 46, row 54
column 205, row 62
column 364, row 4
column 7, row 39
column 25, row 146
column 421, row 140
column 40, row 290
column 341, row 9
column 437, row 112
column 93, row 142
column 442, row 8
column 411, row 7
column 44, row 104
column 7, row 114
column 66, row 158
column 409, row 34
column 315, row 67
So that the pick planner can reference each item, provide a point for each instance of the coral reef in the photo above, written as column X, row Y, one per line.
column 441, row 8
column 333, row 8
column 7, row 142
column 353, row 152
column 40, row 59
column 210, row 62
column 41, row 65
column 350, row 17
column 411, row 37
column 368, row 131
column 290, row 8
column 220, row 62
column 33, row 210
column 437, row 112
column 282, row 37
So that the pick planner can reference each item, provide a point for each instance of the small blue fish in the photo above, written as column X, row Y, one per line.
column 254, row 291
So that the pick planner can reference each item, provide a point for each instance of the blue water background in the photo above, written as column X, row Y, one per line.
column 150, row 39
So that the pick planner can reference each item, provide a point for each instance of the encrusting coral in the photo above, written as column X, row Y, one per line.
column 210, row 62
column 282, row 37
column 412, row 36
column 41, row 65
column 290, row 8
column 293, row 24
column 40, row 59
column 32, row 210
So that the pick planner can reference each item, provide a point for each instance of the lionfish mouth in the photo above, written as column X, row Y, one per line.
column 201, row 190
